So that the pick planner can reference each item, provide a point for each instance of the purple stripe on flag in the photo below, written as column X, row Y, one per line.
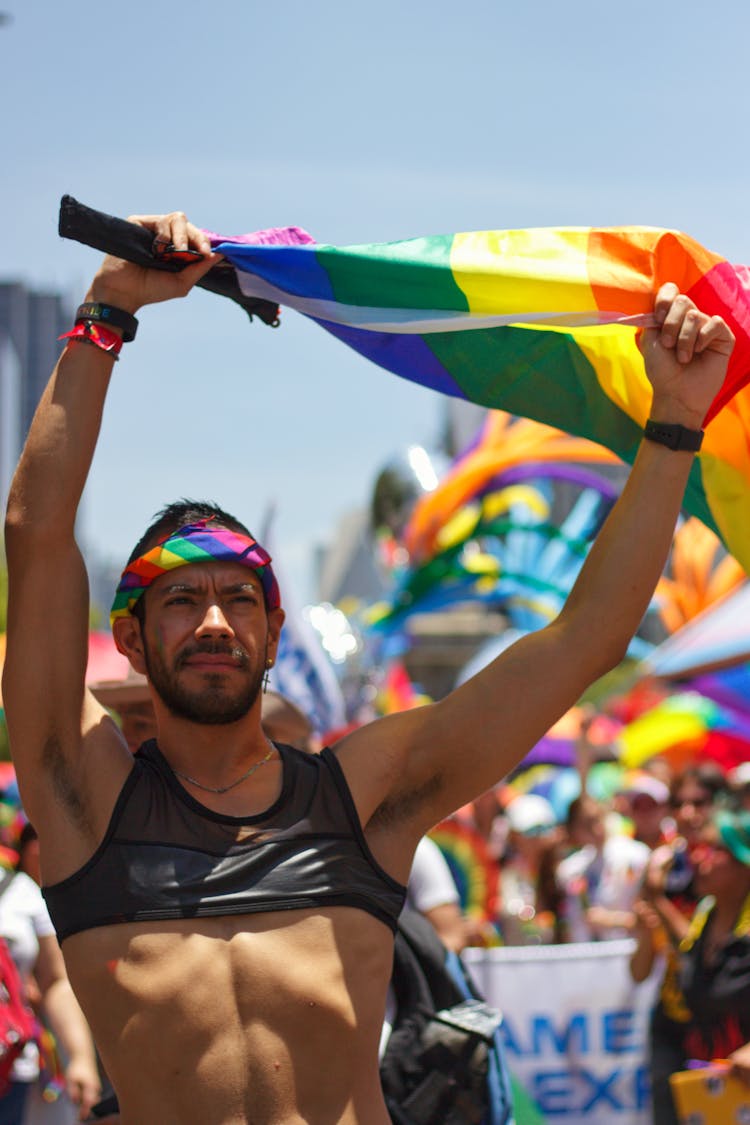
column 407, row 355
column 274, row 236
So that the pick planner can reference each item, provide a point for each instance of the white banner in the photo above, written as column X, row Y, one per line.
column 575, row 1028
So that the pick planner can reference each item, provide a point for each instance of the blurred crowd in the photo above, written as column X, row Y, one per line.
column 660, row 855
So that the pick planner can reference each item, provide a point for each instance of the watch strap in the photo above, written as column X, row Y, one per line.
column 675, row 437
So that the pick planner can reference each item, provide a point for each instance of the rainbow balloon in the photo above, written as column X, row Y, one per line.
column 485, row 533
column 506, row 451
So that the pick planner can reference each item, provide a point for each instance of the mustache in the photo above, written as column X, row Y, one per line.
column 215, row 648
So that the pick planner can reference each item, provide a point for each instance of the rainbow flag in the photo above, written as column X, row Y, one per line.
column 541, row 323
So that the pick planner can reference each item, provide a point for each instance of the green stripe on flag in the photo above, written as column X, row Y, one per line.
column 403, row 275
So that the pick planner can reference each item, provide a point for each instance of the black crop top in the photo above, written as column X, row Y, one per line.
column 166, row 856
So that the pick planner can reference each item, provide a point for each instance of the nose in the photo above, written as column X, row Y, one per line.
column 214, row 623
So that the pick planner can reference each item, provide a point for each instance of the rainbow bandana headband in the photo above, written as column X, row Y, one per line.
column 194, row 543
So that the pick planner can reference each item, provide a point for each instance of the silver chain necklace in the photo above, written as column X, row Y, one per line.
column 226, row 788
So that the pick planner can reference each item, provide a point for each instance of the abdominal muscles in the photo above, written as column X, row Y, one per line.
column 259, row 1018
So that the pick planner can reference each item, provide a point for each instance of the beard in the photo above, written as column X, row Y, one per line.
column 215, row 703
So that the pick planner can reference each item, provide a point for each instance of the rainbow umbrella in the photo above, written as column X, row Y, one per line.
column 684, row 727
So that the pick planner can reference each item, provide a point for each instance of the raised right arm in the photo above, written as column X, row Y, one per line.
column 51, row 718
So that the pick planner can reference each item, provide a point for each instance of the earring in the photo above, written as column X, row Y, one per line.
column 269, row 666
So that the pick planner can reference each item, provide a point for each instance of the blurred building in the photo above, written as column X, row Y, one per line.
column 30, row 323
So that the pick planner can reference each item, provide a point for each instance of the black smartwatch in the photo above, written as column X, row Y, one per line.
column 675, row 437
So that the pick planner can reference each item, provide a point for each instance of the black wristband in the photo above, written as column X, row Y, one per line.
column 675, row 437
column 108, row 314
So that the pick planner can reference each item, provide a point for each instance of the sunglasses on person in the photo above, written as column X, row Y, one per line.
column 696, row 802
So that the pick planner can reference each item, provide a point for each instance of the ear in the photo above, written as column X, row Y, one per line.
column 275, row 621
column 128, row 640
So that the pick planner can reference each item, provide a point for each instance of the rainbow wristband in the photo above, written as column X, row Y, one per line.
column 110, row 316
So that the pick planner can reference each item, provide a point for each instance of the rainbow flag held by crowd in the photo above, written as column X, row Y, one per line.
column 540, row 323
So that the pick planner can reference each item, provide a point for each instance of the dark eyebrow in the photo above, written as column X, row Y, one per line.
column 178, row 587
column 192, row 588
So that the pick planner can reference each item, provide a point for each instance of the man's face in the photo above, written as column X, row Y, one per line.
column 206, row 640
column 646, row 814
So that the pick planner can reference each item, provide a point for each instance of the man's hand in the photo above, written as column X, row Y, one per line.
column 686, row 358
column 130, row 287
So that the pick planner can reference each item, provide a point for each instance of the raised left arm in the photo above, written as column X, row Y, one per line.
column 434, row 759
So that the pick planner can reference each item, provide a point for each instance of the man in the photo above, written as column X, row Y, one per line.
column 601, row 879
column 219, row 993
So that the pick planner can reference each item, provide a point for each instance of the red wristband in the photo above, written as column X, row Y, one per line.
column 90, row 332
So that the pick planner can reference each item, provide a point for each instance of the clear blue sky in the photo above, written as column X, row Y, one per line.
column 359, row 123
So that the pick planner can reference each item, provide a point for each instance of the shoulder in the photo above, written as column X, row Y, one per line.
column 619, row 849
column 430, row 882
column 23, row 900
column 575, row 864
column 21, row 891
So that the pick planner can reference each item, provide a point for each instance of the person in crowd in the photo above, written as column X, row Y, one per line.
column 695, row 794
column 532, row 830
column 486, row 814
column 550, row 897
column 474, row 837
column 704, row 1007
column 601, row 877
column 646, row 804
column 669, row 883
column 432, row 891
column 669, row 896
column 26, row 927
column 130, row 699
column 739, row 785
column 226, row 907
column 284, row 722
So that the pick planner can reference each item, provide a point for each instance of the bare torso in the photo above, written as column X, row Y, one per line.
column 269, row 1020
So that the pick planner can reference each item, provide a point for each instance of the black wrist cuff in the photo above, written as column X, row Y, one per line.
column 108, row 314
column 675, row 437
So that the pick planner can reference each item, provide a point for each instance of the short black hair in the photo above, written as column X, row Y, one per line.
column 171, row 518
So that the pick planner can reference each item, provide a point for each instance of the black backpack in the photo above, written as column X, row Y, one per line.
column 442, row 1064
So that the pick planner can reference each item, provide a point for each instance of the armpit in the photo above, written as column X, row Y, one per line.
column 67, row 789
column 398, row 807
